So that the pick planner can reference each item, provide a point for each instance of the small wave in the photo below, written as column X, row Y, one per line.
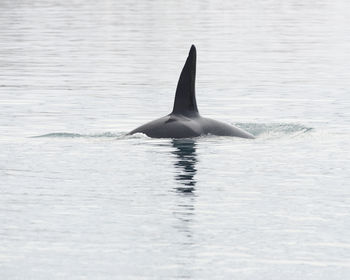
column 135, row 136
column 77, row 135
column 259, row 129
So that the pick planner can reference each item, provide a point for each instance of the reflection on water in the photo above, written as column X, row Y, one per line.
column 185, row 165
column 185, row 171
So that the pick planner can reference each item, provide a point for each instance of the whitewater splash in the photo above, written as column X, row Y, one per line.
column 275, row 130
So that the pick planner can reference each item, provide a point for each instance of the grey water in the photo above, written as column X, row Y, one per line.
column 80, row 200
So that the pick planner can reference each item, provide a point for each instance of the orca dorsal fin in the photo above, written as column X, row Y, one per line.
column 185, row 97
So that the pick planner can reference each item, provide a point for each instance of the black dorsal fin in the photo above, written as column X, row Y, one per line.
column 185, row 97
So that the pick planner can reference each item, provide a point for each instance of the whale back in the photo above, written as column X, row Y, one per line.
column 185, row 97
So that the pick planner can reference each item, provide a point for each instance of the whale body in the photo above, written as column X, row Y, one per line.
column 185, row 121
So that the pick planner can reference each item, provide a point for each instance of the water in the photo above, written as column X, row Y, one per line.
column 80, row 200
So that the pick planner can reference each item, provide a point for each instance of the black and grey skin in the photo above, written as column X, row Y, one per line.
column 184, row 121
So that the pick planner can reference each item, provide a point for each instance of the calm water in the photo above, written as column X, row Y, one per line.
column 82, row 201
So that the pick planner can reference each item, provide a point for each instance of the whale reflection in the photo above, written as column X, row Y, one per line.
column 185, row 164
column 184, row 151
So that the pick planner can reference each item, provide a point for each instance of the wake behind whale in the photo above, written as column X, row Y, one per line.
column 185, row 121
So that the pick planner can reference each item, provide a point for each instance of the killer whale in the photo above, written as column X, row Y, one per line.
column 185, row 121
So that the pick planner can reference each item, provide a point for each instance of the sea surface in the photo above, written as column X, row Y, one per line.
column 80, row 200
